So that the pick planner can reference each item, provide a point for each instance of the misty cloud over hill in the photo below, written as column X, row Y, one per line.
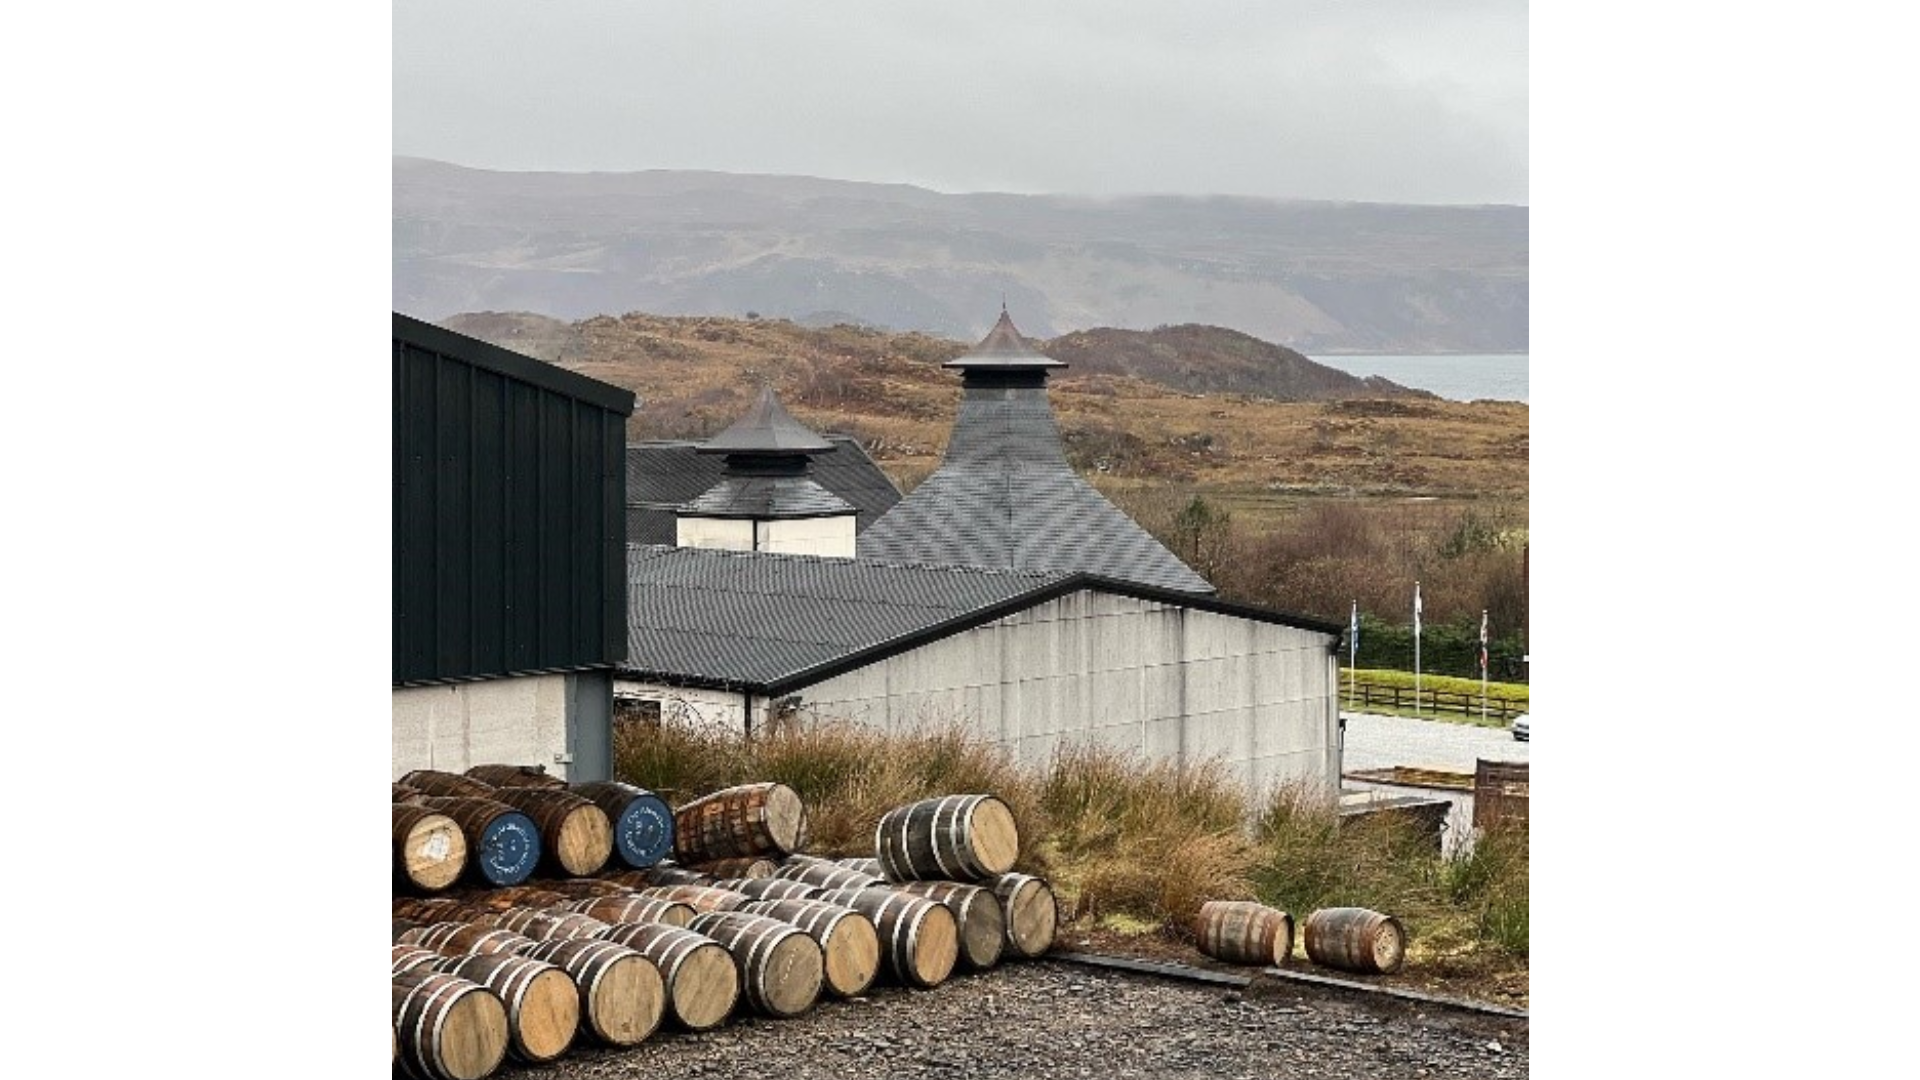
column 1314, row 276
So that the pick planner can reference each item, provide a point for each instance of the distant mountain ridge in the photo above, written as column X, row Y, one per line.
column 1312, row 276
column 1188, row 359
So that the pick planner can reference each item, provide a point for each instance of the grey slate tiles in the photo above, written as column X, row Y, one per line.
column 1005, row 495
column 753, row 618
column 663, row 475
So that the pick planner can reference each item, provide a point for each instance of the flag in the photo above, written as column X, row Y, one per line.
column 1483, row 642
column 1353, row 634
column 1416, row 609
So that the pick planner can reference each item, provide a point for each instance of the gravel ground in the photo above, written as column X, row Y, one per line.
column 1054, row 1019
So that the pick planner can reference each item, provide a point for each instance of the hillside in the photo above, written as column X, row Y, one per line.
column 1308, row 430
column 1212, row 360
column 1315, row 276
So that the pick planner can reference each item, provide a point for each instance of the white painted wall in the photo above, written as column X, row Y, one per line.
column 732, row 534
column 515, row 721
column 827, row 536
column 1171, row 683
column 697, row 708
column 1167, row 682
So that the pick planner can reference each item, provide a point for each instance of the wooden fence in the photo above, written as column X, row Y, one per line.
column 1401, row 698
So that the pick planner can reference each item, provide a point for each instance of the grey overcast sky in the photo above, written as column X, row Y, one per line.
column 1369, row 100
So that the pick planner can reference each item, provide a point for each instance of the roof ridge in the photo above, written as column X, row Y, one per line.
column 840, row 560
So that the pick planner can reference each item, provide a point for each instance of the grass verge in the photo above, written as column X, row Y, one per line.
column 1129, row 845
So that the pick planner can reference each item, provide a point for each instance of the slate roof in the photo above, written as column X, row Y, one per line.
column 665, row 474
column 719, row 617
column 767, row 497
column 1004, row 348
column 766, row 429
column 770, row 623
column 1005, row 496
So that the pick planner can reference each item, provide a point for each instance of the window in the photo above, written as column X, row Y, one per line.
column 636, row 711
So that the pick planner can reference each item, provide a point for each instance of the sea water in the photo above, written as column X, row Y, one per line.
column 1497, row 377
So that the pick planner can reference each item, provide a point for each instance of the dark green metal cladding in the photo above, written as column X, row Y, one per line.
column 509, row 511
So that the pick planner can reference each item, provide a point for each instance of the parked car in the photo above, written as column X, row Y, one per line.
column 1520, row 728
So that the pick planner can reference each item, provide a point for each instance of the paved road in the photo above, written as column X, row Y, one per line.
column 1380, row 742
column 1377, row 742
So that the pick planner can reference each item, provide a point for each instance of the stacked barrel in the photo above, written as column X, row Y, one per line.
column 712, row 911
column 498, row 825
column 959, row 851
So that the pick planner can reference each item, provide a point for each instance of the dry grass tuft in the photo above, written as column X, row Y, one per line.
column 1125, row 842
column 1164, row 879
column 1147, row 839
column 848, row 775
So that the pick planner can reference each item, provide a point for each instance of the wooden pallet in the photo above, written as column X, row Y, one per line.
column 1412, row 776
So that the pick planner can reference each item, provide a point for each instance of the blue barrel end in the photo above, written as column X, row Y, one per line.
column 509, row 849
column 644, row 833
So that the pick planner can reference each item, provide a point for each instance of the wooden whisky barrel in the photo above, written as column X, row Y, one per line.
column 515, row 776
column 765, row 819
column 781, row 968
column 587, row 888
column 431, row 909
column 981, row 917
column 462, row 938
column 503, row 844
column 622, row 996
column 701, row 898
column 703, row 982
column 827, row 875
column 1356, row 939
column 447, row 1027
column 849, row 943
column 543, row 1005
column 576, row 838
column 542, row 925
column 536, row 895
column 633, row 908
column 429, row 850
column 770, row 888
column 919, row 939
column 439, row 782
column 864, row 865
column 746, row 866
column 1244, row 932
column 621, row 882
column 1033, row 913
column 408, row 957
column 665, row 872
column 953, row 838
column 404, row 794
column 642, row 820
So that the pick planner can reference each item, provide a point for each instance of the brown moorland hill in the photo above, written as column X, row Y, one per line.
column 1123, row 425
column 1212, row 359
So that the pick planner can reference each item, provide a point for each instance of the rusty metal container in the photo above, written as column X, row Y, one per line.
column 1499, row 794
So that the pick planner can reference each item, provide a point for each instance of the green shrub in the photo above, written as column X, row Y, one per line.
column 1489, row 884
column 1309, row 857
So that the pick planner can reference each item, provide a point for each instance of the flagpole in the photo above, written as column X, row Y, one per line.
column 1483, row 665
column 1416, row 649
column 1353, row 653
